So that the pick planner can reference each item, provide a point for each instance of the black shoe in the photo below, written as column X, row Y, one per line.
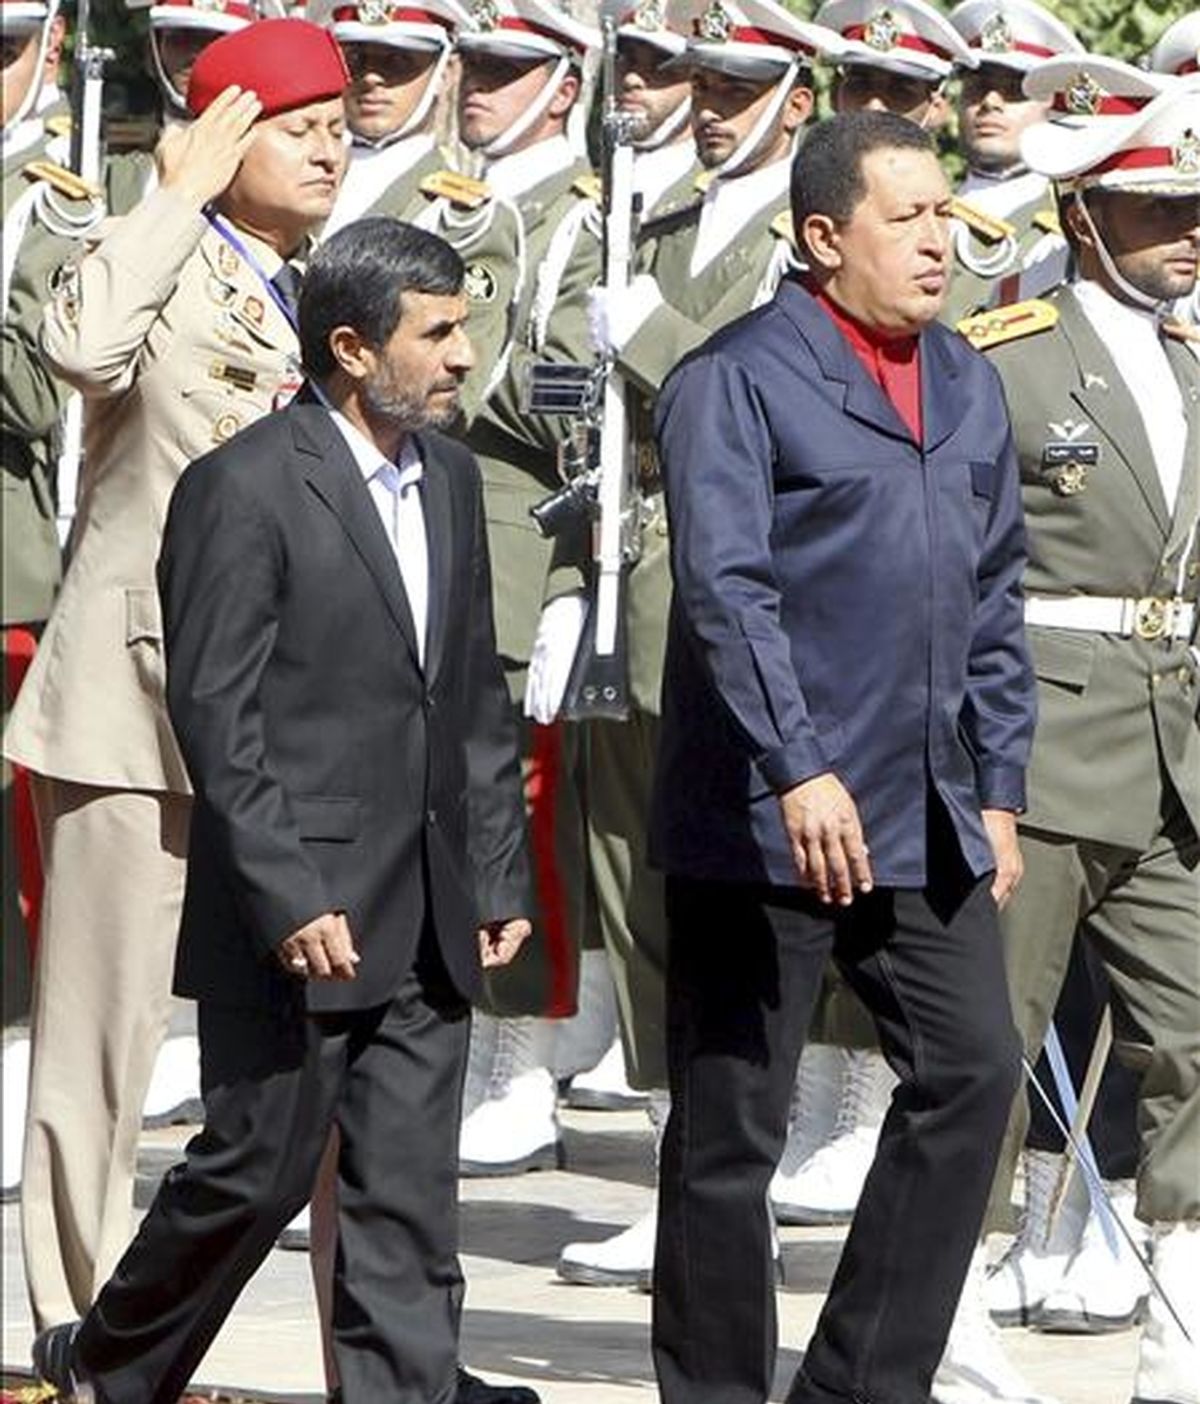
column 54, row 1357
column 473, row 1390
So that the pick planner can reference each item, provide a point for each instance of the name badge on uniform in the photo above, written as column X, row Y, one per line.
column 1065, row 466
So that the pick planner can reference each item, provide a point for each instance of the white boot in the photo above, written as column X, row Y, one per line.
column 1168, row 1368
column 515, row 1128
column 1103, row 1289
column 624, row 1260
column 974, row 1368
column 815, row 1098
column 16, row 1098
column 627, row 1258
column 823, row 1188
column 585, row 1038
column 173, row 1096
column 606, row 1086
column 1037, row 1258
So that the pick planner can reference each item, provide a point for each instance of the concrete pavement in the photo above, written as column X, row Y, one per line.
column 576, row 1345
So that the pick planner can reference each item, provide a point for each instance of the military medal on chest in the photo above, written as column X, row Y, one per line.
column 1068, row 458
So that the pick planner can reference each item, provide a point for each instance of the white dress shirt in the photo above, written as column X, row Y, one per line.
column 395, row 491
column 1132, row 338
column 654, row 172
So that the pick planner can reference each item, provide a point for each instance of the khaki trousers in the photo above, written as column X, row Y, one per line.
column 1140, row 912
column 114, row 869
column 633, row 917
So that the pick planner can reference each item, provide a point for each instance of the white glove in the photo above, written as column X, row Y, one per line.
column 554, row 648
column 615, row 314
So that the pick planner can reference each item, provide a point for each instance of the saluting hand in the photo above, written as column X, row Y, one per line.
column 499, row 941
column 826, row 835
column 322, row 949
column 200, row 159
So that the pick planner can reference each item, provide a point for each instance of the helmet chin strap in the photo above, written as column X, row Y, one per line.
column 748, row 147
column 176, row 101
column 416, row 118
column 1115, row 276
column 499, row 145
column 667, row 129
column 29, row 101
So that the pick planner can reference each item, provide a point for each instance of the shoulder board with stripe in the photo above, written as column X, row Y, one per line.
column 1003, row 324
column 462, row 190
column 59, row 178
column 989, row 228
column 58, row 124
column 590, row 186
column 1047, row 221
column 782, row 226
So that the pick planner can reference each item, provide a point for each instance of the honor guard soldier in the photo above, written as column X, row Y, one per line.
column 1105, row 406
column 711, row 254
column 653, row 94
column 521, row 73
column 896, row 57
column 177, row 328
column 399, row 58
column 1178, row 53
column 1003, row 210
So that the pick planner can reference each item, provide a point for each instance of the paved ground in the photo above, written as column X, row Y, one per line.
column 577, row 1345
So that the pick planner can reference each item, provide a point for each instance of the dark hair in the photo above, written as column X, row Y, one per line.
column 358, row 279
column 827, row 171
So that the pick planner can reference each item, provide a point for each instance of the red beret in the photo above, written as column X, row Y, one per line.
column 285, row 62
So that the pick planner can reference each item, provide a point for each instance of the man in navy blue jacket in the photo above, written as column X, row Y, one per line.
column 847, row 712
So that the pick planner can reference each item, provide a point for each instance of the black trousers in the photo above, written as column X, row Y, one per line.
column 275, row 1081
column 744, row 968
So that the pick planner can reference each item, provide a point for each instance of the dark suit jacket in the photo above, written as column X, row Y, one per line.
column 845, row 599
column 331, row 772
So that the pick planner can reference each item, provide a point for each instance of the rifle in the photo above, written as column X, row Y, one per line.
column 594, row 459
column 87, row 161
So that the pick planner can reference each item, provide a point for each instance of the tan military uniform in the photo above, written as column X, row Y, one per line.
column 1110, row 834
column 176, row 345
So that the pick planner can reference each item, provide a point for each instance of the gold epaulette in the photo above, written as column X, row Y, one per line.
column 59, row 178
column 782, row 226
column 589, row 185
column 58, row 124
column 1001, row 324
column 462, row 190
column 703, row 180
column 990, row 228
column 1047, row 221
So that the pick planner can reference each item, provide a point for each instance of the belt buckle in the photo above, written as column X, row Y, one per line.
column 1153, row 617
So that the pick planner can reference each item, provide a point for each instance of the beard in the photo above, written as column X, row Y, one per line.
column 406, row 407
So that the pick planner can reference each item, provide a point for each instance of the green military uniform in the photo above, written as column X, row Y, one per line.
column 621, row 754
column 991, row 255
column 1110, row 834
column 556, row 257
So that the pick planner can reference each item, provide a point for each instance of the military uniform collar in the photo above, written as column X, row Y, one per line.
column 515, row 175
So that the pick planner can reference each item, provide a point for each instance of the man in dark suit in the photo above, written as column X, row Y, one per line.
column 847, row 713
column 357, row 847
